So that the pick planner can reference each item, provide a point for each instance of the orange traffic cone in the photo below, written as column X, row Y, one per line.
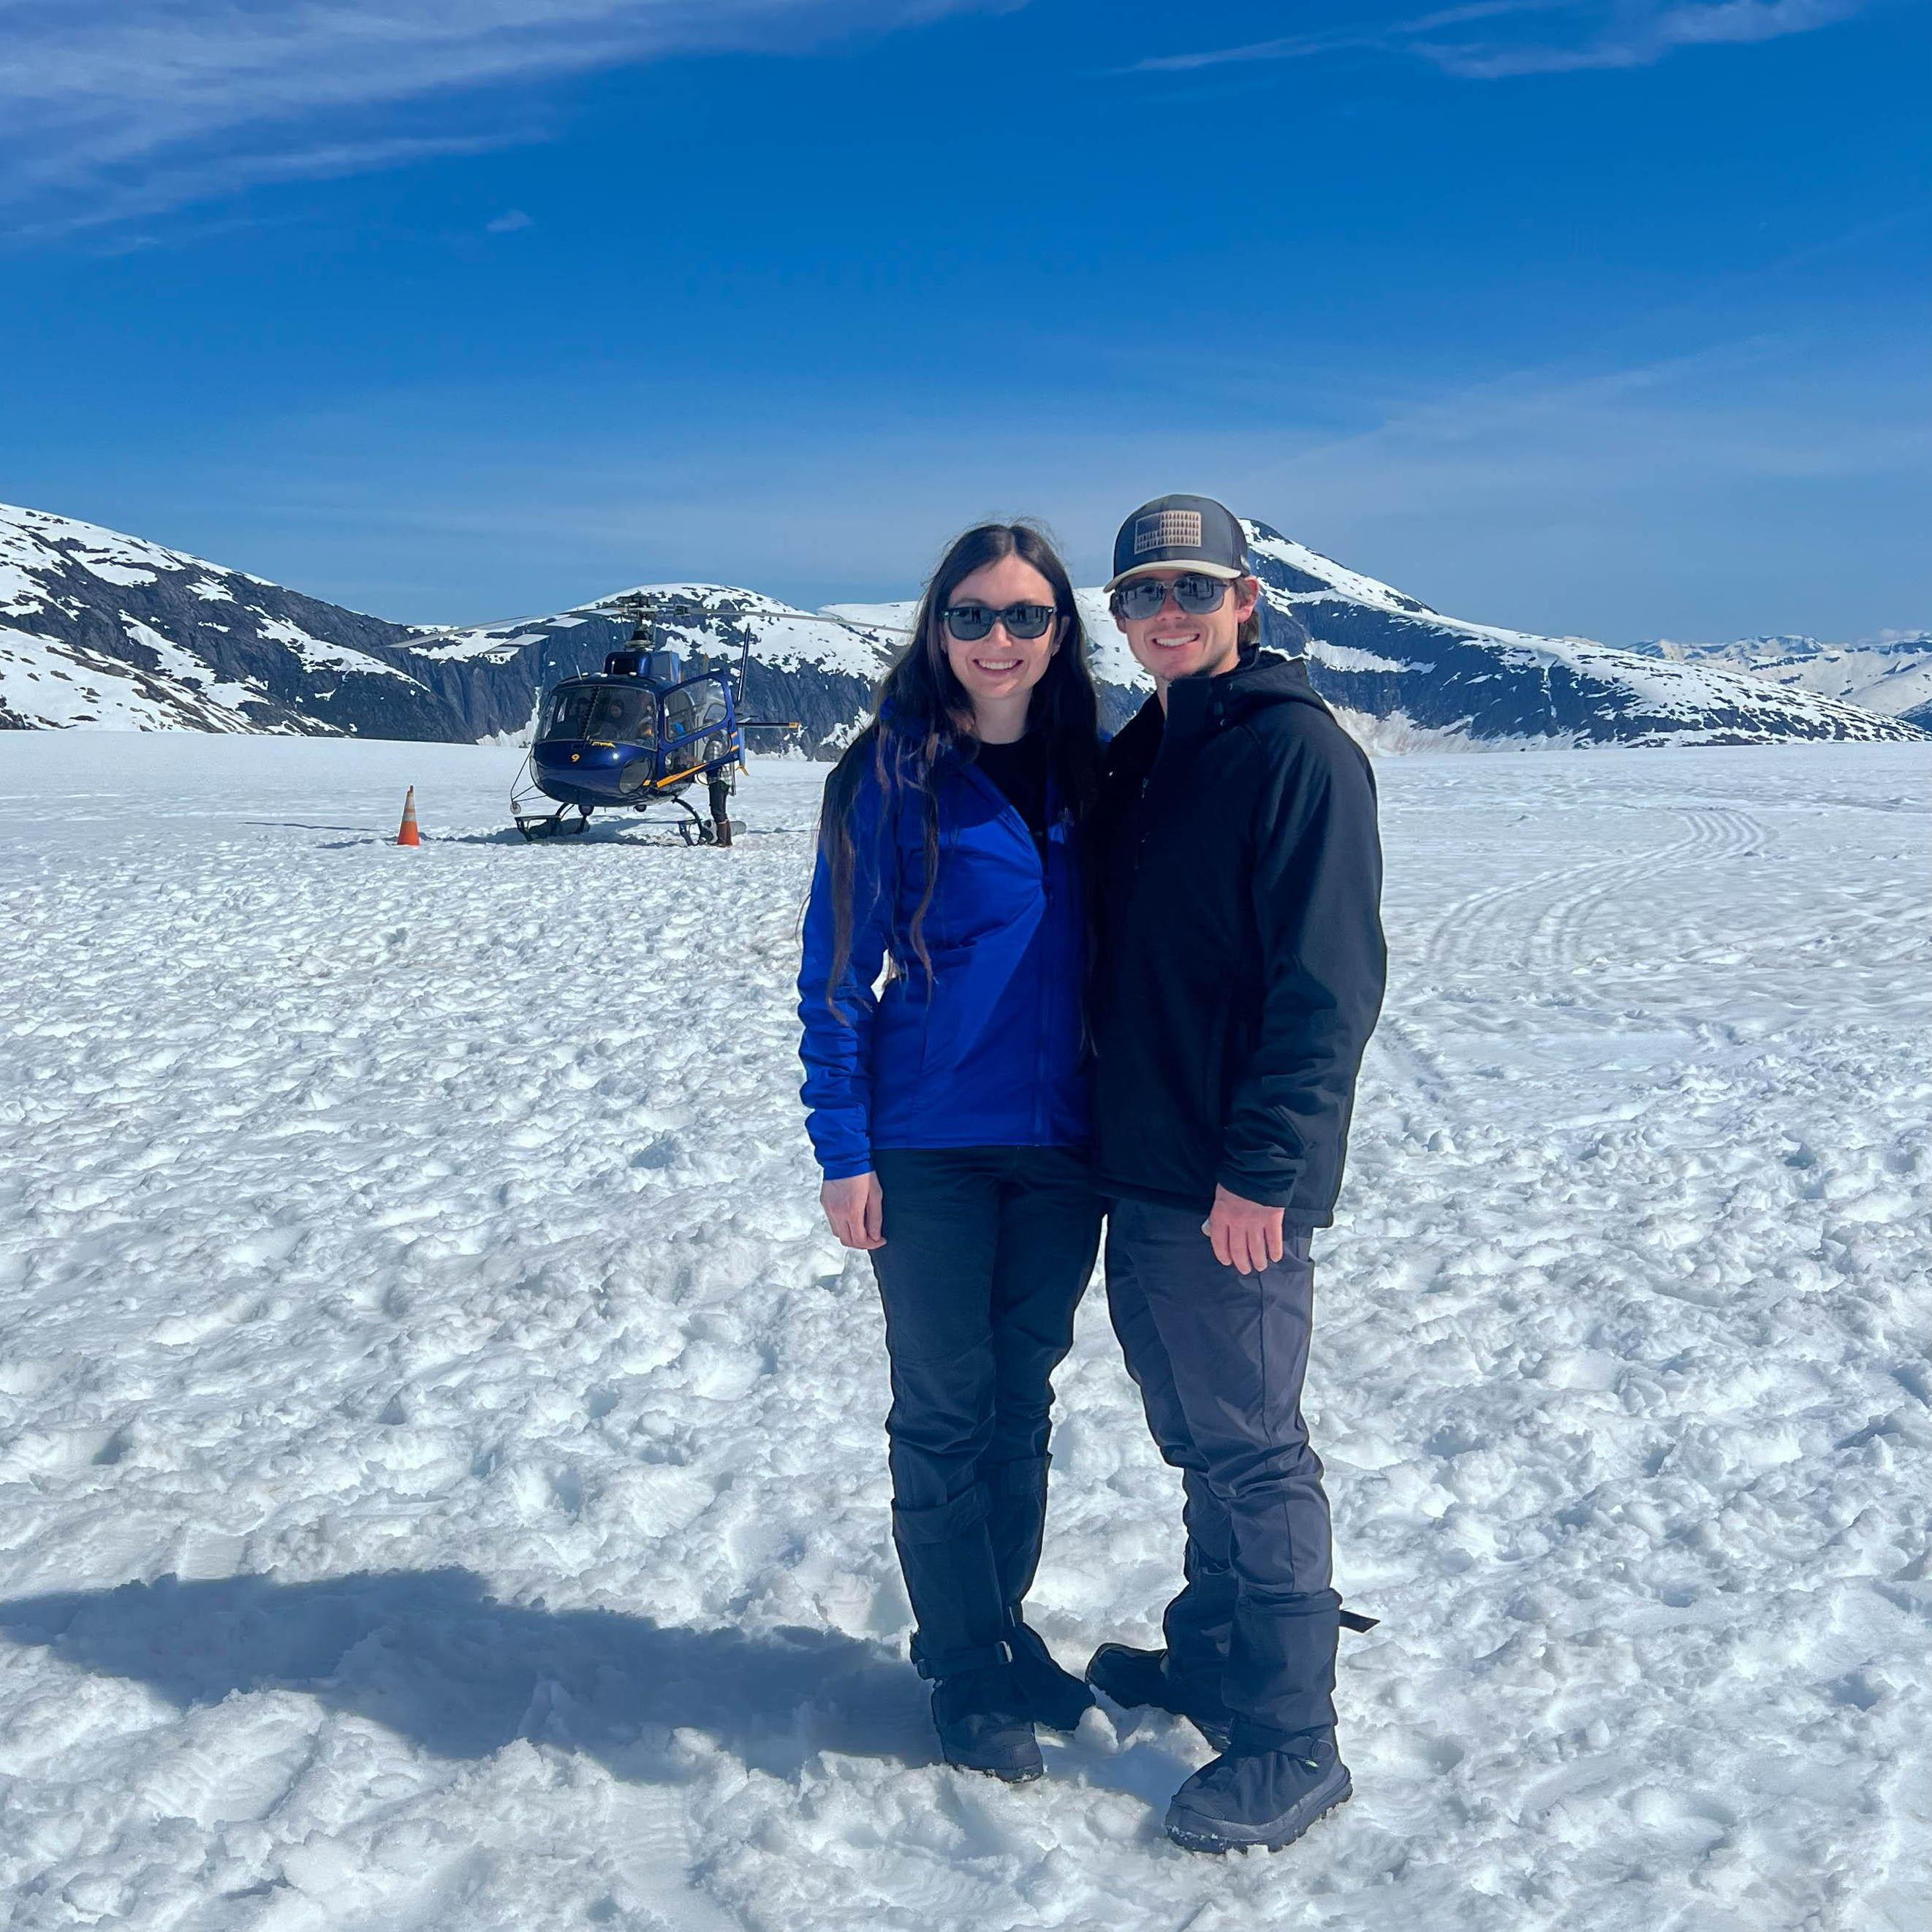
column 408, row 835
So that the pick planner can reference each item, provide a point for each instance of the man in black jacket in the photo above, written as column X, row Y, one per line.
column 1239, row 977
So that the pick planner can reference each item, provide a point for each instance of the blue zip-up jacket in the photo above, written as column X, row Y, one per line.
column 988, row 1052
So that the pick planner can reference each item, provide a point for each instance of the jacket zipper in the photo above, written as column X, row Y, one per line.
column 1043, row 853
column 1009, row 813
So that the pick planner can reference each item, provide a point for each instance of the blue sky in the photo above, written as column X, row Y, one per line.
column 1604, row 318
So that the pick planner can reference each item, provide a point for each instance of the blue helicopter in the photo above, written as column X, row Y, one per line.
column 642, row 732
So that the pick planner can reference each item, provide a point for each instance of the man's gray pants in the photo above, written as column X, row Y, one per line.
column 1219, row 1357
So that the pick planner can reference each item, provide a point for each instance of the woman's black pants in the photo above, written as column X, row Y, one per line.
column 987, row 1253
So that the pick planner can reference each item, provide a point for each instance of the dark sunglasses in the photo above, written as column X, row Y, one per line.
column 1196, row 593
column 970, row 623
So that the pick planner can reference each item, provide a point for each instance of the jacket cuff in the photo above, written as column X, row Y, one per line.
column 1253, row 1187
column 848, row 1167
column 1271, row 1194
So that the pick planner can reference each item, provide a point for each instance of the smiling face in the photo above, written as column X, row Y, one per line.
column 1174, row 643
column 998, row 669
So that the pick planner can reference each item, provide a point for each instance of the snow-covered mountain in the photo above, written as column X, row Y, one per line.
column 1891, row 674
column 815, row 668
column 1405, row 676
column 1412, row 676
column 103, row 630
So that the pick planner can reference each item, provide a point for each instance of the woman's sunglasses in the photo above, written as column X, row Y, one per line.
column 970, row 623
column 1144, row 597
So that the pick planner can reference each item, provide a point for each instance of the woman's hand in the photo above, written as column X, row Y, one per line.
column 856, row 1209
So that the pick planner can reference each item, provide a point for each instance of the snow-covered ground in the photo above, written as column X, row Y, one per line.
column 442, row 1486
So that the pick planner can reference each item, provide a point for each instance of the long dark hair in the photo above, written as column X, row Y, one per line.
column 923, row 714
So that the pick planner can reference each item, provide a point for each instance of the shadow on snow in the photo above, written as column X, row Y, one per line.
column 431, row 1656
column 638, row 838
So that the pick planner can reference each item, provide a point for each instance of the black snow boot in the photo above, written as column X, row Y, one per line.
column 983, row 1726
column 1265, row 1795
column 1054, row 1697
column 1137, row 1679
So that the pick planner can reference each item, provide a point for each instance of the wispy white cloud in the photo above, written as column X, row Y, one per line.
column 110, row 109
column 173, row 179
column 1628, row 33
column 1642, row 36
column 1396, row 35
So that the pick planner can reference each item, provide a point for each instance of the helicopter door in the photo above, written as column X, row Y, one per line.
column 679, row 715
column 692, row 712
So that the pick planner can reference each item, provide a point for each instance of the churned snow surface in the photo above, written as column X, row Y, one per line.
column 442, row 1487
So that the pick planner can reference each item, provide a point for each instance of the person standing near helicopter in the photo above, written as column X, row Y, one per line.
column 949, row 1113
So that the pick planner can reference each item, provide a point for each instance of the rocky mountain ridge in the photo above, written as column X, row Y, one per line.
column 1891, row 674
column 103, row 630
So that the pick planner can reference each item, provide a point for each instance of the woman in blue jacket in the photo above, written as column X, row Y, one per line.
column 949, row 1110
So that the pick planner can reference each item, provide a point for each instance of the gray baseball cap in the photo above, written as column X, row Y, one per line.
column 1182, row 533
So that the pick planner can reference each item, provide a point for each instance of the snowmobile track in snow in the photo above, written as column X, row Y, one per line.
column 1539, row 921
column 1556, row 939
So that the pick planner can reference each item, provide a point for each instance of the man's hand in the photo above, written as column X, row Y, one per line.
column 1246, row 1235
column 856, row 1209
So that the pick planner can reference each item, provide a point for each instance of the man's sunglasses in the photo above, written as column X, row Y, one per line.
column 1141, row 598
column 970, row 623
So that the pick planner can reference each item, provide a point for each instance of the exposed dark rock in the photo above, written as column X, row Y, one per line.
column 98, row 629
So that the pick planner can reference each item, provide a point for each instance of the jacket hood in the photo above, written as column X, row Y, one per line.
column 1260, row 679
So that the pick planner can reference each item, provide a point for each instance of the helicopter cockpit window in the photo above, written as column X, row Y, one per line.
column 606, row 714
column 623, row 717
column 569, row 712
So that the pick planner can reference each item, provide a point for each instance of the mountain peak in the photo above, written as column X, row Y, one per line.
column 1307, row 573
column 98, row 629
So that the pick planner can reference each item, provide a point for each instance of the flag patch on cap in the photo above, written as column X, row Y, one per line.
column 1168, row 529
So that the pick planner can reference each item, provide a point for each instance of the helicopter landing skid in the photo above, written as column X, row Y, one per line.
column 694, row 828
column 554, row 825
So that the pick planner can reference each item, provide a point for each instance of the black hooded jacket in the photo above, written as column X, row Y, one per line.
column 1241, row 962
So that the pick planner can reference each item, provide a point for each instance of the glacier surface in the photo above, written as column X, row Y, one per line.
column 441, row 1482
